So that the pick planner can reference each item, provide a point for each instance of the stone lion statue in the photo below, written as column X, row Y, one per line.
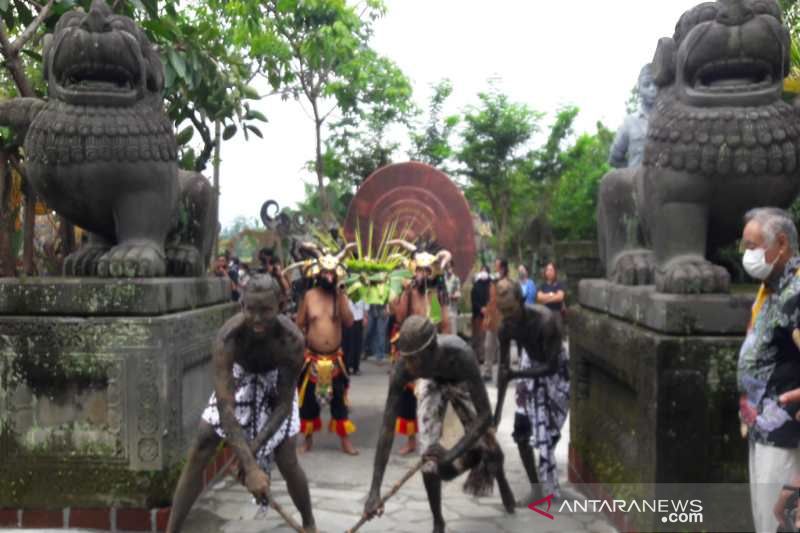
column 102, row 152
column 720, row 141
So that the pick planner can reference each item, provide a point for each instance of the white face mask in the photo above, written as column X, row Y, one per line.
column 755, row 263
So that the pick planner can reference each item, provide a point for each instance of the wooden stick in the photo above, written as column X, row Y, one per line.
column 396, row 487
column 272, row 503
column 254, row 446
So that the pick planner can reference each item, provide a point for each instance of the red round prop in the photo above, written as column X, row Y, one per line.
column 421, row 197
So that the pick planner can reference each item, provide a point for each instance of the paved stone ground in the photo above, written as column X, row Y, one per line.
column 339, row 484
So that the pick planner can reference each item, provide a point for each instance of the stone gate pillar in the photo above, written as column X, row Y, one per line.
column 102, row 384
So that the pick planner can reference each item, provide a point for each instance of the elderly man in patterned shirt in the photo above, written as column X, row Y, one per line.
column 769, row 359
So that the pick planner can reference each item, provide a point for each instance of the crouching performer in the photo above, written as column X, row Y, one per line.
column 257, row 358
column 542, row 388
column 448, row 372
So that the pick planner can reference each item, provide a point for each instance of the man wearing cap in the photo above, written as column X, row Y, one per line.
column 448, row 372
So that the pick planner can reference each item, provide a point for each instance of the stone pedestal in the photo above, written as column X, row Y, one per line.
column 577, row 260
column 102, row 385
column 654, row 387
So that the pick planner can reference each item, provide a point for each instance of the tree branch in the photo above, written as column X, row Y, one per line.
column 208, row 142
column 326, row 115
column 29, row 32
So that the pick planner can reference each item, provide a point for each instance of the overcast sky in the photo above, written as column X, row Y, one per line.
column 545, row 53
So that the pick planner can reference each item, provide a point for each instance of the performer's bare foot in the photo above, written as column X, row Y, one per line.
column 347, row 446
column 410, row 446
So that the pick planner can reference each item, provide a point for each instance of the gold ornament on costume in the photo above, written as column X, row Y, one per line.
column 422, row 259
column 322, row 261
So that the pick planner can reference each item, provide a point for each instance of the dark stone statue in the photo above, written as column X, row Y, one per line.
column 102, row 152
column 720, row 141
column 448, row 373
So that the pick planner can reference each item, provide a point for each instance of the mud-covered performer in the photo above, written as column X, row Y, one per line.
column 423, row 296
column 542, row 387
column 257, row 359
column 323, row 311
column 448, row 372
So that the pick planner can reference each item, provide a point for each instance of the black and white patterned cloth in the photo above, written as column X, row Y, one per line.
column 544, row 401
column 255, row 398
column 432, row 400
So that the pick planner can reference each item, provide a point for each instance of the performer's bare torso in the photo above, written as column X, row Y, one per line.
column 415, row 302
column 321, row 319
column 537, row 332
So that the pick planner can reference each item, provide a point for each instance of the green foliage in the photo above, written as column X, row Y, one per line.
column 376, row 273
column 495, row 157
column 377, row 288
column 509, row 181
column 431, row 141
column 318, row 51
column 791, row 17
column 338, row 193
column 549, row 164
column 574, row 201
column 356, row 145
column 206, row 77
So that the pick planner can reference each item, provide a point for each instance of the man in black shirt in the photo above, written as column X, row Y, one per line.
column 480, row 297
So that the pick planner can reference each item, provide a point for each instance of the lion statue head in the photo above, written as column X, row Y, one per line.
column 101, row 58
column 726, row 53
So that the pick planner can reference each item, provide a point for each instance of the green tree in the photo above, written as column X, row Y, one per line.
column 317, row 50
column 358, row 143
column 574, row 201
column 431, row 141
column 206, row 79
column 337, row 193
column 549, row 164
column 496, row 158
column 791, row 18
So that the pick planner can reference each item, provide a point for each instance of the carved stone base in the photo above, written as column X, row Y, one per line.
column 654, row 396
column 98, row 409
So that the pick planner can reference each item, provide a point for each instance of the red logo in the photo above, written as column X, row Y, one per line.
column 535, row 506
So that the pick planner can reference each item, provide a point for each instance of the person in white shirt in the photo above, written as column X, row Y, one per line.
column 353, row 337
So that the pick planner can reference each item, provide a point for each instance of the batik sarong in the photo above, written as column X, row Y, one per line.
column 542, row 405
column 255, row 398
column 433, row 398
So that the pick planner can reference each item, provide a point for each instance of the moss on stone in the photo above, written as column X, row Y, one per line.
column 37, row 478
